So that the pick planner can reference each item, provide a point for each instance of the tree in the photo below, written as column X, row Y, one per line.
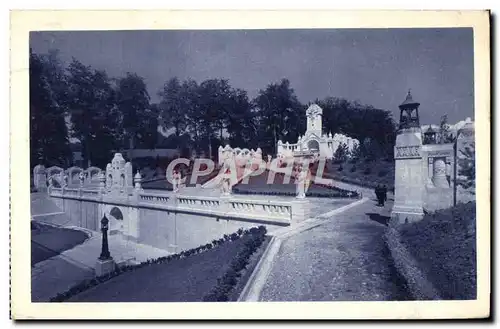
column 444, row 131
column 279, row 113
column 214, row 101
column 132, row 100
column 355, row 153
column 341, row 153
column 49, row 142
column 174, row 100
column 359, row 121
column 467, row 165
column 241, row 126
column 94, row 116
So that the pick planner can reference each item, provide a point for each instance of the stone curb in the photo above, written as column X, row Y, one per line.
column 418, row 285
column 251, row 291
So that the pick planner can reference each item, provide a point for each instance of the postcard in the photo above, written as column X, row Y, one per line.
column 250, row 165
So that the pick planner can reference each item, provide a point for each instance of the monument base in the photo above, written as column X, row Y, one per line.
column 404, row 215
column 103, row 267
column 300, row 210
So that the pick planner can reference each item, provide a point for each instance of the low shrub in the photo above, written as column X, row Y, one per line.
column 382, row 173
column 220, row 292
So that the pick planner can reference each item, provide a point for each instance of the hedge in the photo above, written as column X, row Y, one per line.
column 226, row 283
column 336, row 194
column 90, row 283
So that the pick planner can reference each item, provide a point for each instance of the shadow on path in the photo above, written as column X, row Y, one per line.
column 384, row 220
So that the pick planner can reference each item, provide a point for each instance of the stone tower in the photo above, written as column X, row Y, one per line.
column 314, row 120
column 408, row 194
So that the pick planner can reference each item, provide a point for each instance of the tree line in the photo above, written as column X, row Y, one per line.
column 108, row 114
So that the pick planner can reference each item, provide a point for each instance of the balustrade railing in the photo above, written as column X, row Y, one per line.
column 264, row 208
column 230, row 207
column 153, row 198
column 90, row 193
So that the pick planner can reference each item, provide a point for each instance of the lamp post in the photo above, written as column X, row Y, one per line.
column 105, row 255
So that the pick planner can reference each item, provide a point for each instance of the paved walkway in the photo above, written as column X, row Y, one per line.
column 339, row 256
column 59, row 273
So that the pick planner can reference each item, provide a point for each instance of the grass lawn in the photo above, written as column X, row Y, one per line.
column 164, row 184
column 279, row 186
column 48, row 241
column 444, row 244
column 363, row 173
column 183, row 280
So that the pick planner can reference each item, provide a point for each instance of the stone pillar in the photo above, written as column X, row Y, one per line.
column 409, row 184
column 300, row 210
column 138, row 181
column 439, row 173
column 430, row 171
column 40, row 178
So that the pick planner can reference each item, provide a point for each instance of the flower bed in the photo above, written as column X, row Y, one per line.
column 225, row 284
column 258, row 185
column 164, row 184
column 217, row 253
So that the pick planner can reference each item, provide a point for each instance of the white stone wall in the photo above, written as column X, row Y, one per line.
column 241, row 156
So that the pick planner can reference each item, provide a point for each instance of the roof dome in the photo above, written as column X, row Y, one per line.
column 409, row 102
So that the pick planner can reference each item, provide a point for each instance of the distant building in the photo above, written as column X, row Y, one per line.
column 314, row 142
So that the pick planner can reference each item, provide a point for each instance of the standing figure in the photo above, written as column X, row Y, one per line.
column 378, row 194
column 301, row 183
column 82, row 178
column 175, row 181
column 384, row 194
column 226, row 182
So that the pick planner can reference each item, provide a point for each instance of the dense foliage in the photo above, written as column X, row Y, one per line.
column 444, row 244
column 108, row 114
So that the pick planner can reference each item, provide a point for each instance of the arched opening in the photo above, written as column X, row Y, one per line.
column 115, row 221
column 116, row 213
column 313, row 145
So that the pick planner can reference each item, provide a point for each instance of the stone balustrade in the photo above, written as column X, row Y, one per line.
column 153, row 198
column 90, row 193
column 56, row 191
column 262, row 207
column 261, row 210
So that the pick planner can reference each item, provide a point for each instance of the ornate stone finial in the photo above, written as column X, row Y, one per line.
column 81, row 177
column 138, row 180
column 102, row 180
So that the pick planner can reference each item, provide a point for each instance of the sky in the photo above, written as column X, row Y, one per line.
column 371, row 66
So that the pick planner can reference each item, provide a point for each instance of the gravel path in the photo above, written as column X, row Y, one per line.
column 343, row 259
